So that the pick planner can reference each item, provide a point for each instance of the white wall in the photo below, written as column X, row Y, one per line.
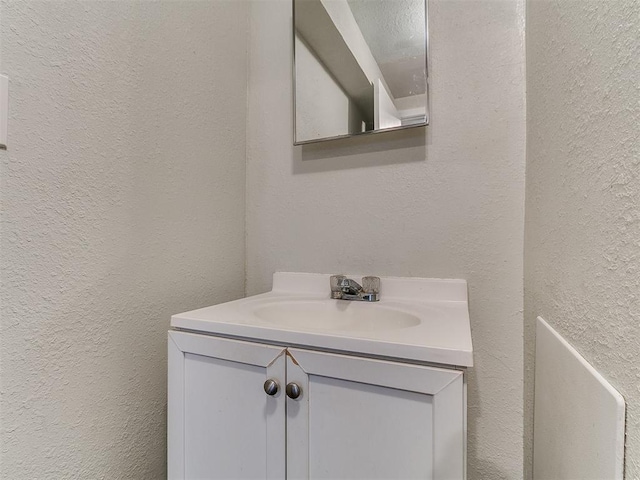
column 324, row 108
column 583, row 184
column 449, row 204
column 122, row 202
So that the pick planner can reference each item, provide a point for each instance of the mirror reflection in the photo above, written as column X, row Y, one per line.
column 359, row 67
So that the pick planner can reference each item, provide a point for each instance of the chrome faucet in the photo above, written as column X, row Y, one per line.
column 343, row 288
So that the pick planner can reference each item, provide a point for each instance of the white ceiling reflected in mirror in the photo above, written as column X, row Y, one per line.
column 360, row 66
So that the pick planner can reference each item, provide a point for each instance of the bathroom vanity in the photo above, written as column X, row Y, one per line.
column 294, row 384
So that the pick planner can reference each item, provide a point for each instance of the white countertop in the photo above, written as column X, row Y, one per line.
column 433, row 319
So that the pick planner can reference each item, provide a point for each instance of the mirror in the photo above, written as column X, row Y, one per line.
column 360, row 66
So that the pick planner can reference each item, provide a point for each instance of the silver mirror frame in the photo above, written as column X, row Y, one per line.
column 368, row 132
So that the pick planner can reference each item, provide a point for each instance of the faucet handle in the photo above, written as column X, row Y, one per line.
column 371, row 285
column 336, row 285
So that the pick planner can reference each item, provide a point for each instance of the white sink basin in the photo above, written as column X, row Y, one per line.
column 418, row 319
column 334, row 315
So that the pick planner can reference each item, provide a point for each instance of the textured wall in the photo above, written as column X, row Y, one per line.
column 122, row 202
column 582, row 237
column 446, row 204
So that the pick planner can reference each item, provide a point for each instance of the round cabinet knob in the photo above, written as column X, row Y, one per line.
column 271, row 387
column 293, row 390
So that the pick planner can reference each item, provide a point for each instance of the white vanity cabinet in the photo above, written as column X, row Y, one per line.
column 355, row 417
column 220, row 422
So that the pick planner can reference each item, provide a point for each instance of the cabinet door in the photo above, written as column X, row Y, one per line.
column 369, row 419
column 221, row 423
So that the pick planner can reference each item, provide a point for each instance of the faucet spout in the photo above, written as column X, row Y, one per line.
column 350, row 287
column 343, row 288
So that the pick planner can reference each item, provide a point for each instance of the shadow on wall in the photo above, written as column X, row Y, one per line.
column 478, row 468
column 384, row 148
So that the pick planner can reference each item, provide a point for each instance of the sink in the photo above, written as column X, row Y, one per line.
column 416, row 319
column 334, row 315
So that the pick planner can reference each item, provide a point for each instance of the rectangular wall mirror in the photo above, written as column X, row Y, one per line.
column 360, row 66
